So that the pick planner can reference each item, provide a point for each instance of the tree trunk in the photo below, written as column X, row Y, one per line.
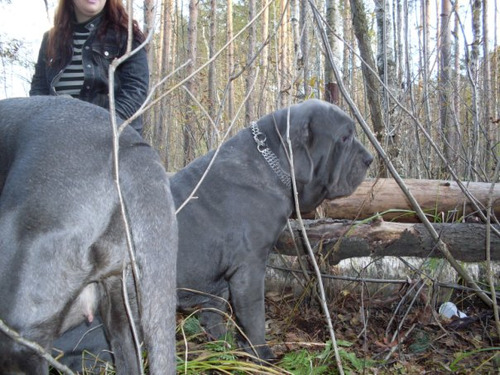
column 230, row 61
column 426, row 155
column 445, row 97
column 149, row 14
column 250, row 76
column 455, row 77
column 495, row 87
column 361, row 30
column 148, row 118
column 486, row 93
column 337, row 241
column 283, row 53
column 385, row 51
column 189, row 128
column 474, row 150
column 212, row 85
column 294, row 22
column 164, row 119
column 386, row 65
column 442, row 200
column 264, row 106
column 398, row 28
column 304, row 31
column 347, row 58
column 332, row 20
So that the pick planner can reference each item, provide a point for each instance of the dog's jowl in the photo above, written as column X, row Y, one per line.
column 62, row 239
column 243, row 204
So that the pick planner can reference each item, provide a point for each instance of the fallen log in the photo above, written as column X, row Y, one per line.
column 441, row 200
column 342, row 240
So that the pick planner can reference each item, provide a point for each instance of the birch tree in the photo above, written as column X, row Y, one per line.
column 189, row 128
column 212, row 84
column 230, row 60
column 332, row 19
column 486, row 116
column 368, row 68
column 283, row 63
column 250, row 76
column 386, row 65
column 165, row 121
column 304, row 40
column 445, row 97
column 264, row 64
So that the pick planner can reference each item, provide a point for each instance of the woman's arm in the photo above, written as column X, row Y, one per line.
column 39, row 83
column 133, row 75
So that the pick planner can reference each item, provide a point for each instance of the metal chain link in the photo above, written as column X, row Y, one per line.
column 269, row 156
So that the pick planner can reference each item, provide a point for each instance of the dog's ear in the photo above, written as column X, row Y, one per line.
column 302, row 159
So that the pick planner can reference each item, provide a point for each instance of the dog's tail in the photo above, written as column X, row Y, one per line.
column 154, row 229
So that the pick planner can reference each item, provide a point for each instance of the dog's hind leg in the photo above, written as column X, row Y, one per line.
column 153, row 227
column 117, row 324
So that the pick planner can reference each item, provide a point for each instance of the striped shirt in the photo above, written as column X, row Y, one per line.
column 71, row 80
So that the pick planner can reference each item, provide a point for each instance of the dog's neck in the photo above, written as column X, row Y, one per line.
column 270, row 157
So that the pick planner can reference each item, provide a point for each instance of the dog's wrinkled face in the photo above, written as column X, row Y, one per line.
column 329, row 161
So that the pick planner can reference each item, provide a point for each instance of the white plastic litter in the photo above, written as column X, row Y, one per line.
column 449, row 309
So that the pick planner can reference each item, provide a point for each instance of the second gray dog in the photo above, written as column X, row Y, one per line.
column 243, row 204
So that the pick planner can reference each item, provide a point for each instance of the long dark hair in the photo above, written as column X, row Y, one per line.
column 59, row 47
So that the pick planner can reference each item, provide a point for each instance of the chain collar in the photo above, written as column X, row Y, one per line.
column 269, row 156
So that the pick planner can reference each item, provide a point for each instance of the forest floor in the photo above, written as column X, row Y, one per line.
column 384, row 329
column 394, row 333
column 387, row 336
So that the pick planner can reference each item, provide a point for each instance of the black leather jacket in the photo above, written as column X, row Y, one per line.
column 131, row 77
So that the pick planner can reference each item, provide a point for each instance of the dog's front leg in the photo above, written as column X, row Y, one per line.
column 247, row 296
column 212, row 316
column 117, row 325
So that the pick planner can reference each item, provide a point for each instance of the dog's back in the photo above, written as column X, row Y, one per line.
column 62, row 234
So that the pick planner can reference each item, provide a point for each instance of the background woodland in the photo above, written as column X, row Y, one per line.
column 411, row 67
column 423, row 73
column 424, row 76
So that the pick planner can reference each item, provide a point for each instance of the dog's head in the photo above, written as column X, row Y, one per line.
column 329, row 162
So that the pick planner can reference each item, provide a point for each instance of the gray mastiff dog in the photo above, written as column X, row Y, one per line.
column 62, row 240
column 243, row 203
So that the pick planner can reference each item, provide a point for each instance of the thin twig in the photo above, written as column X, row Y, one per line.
column 116, row 173
column 489, row 270
column 128, row 235
column 378, row 281
column 321, row 288
column 393, row 349
column 14, row 335
column 394, row 313
column 407, row 312
column 297, row 251
column 346, row 278
column 130, row 316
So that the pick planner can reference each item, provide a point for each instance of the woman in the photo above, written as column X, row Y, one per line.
column 76, row 53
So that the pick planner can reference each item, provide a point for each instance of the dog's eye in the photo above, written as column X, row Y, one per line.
column 346, row 138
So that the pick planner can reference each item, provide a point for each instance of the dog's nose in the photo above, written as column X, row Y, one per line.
column 368, row 160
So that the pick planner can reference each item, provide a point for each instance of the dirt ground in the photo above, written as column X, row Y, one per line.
column 397, row 333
